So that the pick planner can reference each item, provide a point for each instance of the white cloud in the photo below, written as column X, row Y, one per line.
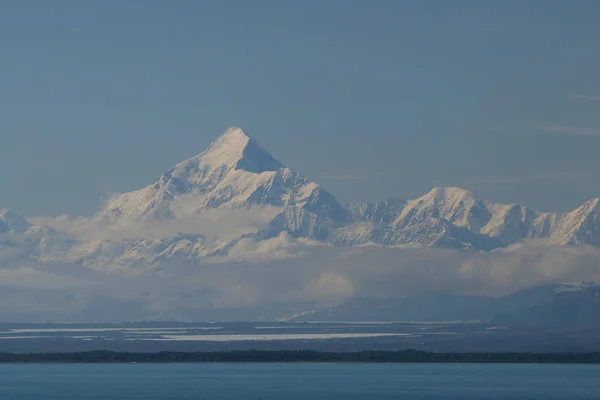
column 301, row 274
column 331, row 284
column 226, row 224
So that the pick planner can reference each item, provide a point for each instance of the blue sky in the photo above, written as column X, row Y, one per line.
column 372, row 99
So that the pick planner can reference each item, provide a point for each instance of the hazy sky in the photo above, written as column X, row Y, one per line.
column 372, row 99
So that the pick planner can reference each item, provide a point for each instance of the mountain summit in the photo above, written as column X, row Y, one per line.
column 234, row 148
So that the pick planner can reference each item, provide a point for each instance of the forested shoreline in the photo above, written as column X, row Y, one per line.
column 255, row 356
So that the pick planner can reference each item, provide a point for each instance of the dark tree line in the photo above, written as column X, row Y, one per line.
column 406, row 356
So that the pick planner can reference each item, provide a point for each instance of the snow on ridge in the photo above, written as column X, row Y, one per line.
column 574, row 286
column 228, row 149
column 447, row 192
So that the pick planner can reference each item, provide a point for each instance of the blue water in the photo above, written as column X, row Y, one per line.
column 299, row 381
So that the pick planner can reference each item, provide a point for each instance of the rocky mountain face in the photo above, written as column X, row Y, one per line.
column 235, row 195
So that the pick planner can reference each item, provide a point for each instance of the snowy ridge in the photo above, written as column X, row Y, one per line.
column 382, row 212
column 574, row 286
column 234, row 197
column 580, row 226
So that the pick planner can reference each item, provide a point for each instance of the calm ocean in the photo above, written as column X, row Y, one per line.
column 299, row 381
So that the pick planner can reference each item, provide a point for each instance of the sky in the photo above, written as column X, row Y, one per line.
column 372, row 99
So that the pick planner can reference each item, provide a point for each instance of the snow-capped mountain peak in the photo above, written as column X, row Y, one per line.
column 234, row 148
column 446, row 193
column 229, row 171
column 234, row 172
column 580, row 226
column 453, row 204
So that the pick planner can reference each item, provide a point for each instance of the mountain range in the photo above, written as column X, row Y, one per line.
column 235, row 198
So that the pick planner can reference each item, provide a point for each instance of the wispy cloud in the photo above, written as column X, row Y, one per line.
column 584, row 97
column 221, row 223
column 570, row 130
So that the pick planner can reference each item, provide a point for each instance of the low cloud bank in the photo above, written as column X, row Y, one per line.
column 302, row 274
column 226, row 224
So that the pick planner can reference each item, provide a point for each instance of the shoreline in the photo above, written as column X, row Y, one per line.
column 298, row 357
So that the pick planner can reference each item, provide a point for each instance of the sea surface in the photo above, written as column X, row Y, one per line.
column 299, row 381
